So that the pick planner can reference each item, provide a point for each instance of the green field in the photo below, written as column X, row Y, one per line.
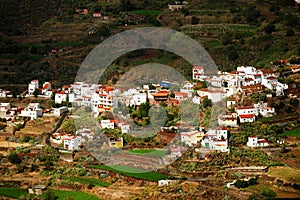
column 76, row 195
column 132, row 172
column 285, row 173
column 294, row 133
column 145, row 12
column 262, row 191
column 87, row 181
column 12, row 192
column 149, row 152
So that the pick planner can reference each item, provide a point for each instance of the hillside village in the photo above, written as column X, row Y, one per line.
column 107, row 104
column 229, row 135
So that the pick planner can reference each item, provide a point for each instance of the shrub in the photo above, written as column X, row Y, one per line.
column 14, row 158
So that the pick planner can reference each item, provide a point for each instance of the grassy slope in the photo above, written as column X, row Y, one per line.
column 86, row 181
column 12, row 192
column 132, row 172
column 285, row 173
column 294, row 133
column 76, row 195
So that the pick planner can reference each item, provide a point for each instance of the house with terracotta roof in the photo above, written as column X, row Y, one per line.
column 60, row 97
column 108, row 123
column 198, row 73
column 216, row 139
column 227, row 120
column 214, row 95
column 162, row 95
column 33, row 111
column 246, row 118
column 97, row 14
column 242, row 110
column 191, row 138
column 5, row 107
column 264, row 109
column 32, row 86
column 253, row 141
column 295, row 68
column 72, row 142
column 181, row 95
column 46, row 90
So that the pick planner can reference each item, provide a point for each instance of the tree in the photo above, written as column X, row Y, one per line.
column 103, row 31
column 50, row 195
column 206, row 103
column 269, row 28
column 195, row 20
column 185, row 12
column 36, row 93
column 69, row 126
column 290, row 32
column 14, row 158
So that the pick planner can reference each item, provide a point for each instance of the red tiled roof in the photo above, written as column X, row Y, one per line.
column 46, row 86
column 224, row 128
column 198, row 67
column 245, row 107
column 247, row 116
column 61, row 92
column 271, row 78
column 184, row 94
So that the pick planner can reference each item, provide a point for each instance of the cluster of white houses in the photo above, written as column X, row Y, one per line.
column 245, row 80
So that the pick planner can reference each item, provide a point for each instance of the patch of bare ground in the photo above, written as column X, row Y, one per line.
column 116, row 192
column 38, row 126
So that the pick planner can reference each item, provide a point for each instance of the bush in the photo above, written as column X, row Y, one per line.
column 90, row 186
column 14, row 158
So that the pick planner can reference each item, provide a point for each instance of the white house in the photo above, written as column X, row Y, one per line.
column 267, row 111
column 253, row 141
column 247, row 118
column 33, row 85
column 230, row 102
column 138, row 99
column 3, row 93
column 33, row 111
column 59, row 111
column 222, row 133
column 181, row 95
column 246, row 110
column 191, row 138
column 213, row 95
column 227, row 120
column 46, row 89
column 60, row 97
column 198, row 73
column 5, row 107
column 72, row 142
column 107, row 123
column 125, row 128
column 166, row 182
column 216, row 139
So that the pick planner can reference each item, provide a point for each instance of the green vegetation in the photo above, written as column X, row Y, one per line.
column 132, row 172
column 75, row 195
column 261, row 191
column 293, row 133
column 145, row 12
column 141, row 151
column 285, row 173
column 149, row 152
column 12, row 192
column 87, row 181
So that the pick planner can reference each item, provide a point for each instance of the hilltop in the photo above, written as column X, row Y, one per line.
column 49, row 40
